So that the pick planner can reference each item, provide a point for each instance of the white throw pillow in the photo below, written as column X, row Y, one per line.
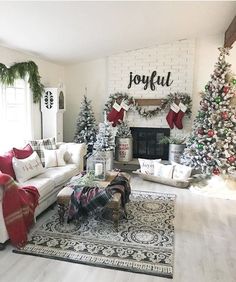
column 54, row 158
column 74, row 152
column 147, row 166
column 27, row 168
column 181, row 172
column 162, row 170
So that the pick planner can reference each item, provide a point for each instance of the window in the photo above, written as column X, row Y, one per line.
column 15, row 115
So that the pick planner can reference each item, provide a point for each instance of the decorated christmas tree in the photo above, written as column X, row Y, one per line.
column 86, row 127
column 123, row 131
column 105, row 139
column 212, row 144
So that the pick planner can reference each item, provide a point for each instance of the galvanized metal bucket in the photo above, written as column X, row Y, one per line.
column 124, row 149
column 175, row 152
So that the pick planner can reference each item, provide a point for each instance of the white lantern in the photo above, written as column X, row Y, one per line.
column 96, row 164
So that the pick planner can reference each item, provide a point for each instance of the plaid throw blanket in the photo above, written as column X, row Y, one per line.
column 88, row 199
column 18, row 206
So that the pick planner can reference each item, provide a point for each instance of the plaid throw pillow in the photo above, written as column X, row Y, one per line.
column 40, row 145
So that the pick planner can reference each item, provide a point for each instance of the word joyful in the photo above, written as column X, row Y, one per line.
column 150, row 80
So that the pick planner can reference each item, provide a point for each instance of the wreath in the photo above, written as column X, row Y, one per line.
column 20, row 70
column 143, row 111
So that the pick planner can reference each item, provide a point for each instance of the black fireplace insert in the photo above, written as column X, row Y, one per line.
column 146, row 143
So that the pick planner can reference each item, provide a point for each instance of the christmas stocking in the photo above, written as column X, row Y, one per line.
column 174, row 109
column 124, row 105
column 180, row 115
column 120, row 115
column 112, row 116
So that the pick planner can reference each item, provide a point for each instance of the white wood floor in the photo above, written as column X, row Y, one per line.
column 205, row 247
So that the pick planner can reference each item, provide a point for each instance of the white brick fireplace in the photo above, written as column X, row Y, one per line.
column 177, row 58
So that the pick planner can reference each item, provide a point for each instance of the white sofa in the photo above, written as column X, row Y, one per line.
column 49, row 183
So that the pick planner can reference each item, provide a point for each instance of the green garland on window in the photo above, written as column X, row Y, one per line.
column 19, row 71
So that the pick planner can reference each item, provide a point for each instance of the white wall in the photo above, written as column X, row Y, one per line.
column 91, row 75
column 94, row 75
column 176, row 57
column 51, row 74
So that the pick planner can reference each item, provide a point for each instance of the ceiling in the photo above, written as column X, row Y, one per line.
column 69, row 32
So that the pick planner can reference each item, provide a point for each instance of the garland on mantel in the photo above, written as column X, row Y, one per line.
column 143, row 111
column 19, row 71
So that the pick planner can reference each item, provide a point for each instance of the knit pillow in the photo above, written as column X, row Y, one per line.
column 40, row 145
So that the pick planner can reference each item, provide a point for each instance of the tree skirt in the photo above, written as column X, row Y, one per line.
column 217, row 187
column 143, row 244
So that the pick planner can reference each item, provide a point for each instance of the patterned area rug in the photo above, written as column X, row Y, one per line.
column 143, row 244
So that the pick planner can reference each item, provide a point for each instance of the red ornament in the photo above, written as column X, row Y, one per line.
column 231, row 159
column 216, row 171
column 225, row 89
column 200, row 131
column 224, row 115
column 210, row 133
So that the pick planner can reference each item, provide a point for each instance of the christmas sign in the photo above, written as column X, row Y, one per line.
column 150, row 81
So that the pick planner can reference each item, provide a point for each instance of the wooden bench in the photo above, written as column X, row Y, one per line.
column 63, row 199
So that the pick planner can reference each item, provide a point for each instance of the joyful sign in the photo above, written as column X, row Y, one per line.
column 150, row 81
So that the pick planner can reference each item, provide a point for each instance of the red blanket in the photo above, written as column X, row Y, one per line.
column 18, row 209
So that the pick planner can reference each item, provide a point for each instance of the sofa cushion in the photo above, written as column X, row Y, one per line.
column 54, row 158
column 44, row 185
column 60, row 174
column 74, row 152
column 6, row 164
column 23, row 153
column 27, row 168
column 40, row 145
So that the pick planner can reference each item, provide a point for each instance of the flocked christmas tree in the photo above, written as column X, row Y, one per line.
column 104, row 139
column 123, row 131
column 86, row 127
column 212, row 144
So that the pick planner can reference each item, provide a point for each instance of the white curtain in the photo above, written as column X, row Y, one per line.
column 15, row 115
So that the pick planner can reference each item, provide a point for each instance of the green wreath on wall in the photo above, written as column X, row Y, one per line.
column 20, row 71
column 143, row 111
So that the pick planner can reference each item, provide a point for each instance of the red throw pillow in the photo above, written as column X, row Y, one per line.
column 6, row 164
column 23, row 153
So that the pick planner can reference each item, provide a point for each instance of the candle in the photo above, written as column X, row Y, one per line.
column 98, row 169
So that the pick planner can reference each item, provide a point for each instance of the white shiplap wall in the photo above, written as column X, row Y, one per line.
column 177, row 57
